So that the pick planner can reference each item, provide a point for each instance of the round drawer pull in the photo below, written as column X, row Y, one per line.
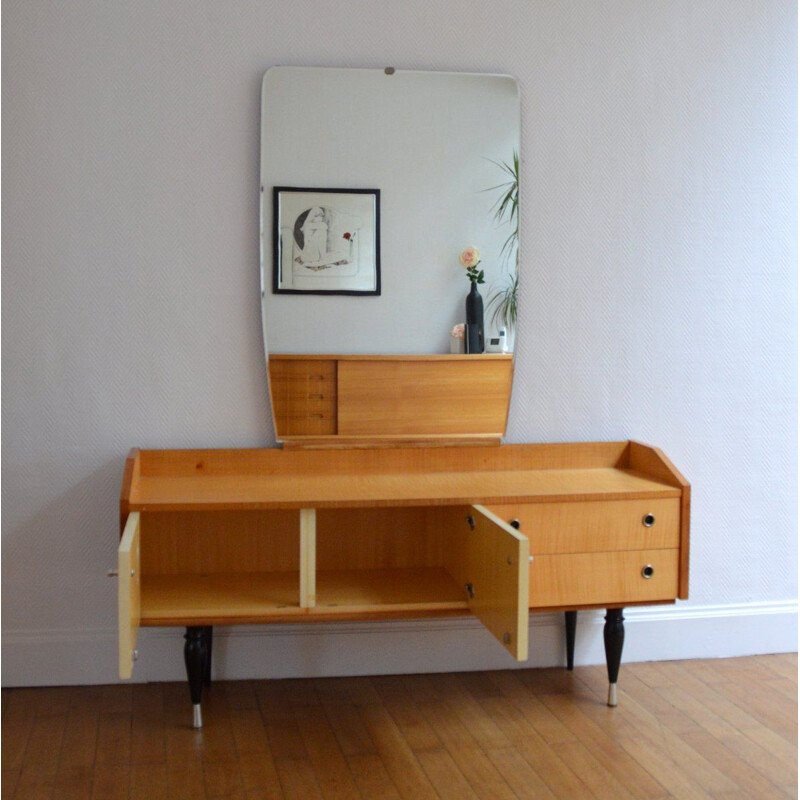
column 647, row 571
column 514, row 523
column 648, row 520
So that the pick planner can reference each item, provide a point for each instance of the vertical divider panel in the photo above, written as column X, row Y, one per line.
column 308, row 557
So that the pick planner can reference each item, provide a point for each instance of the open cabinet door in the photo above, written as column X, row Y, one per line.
column 129, row 592
column 490, row 559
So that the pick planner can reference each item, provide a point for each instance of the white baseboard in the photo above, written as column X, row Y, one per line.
column 656, row 633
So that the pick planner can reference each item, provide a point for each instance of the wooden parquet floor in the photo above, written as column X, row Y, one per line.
column 712, row 730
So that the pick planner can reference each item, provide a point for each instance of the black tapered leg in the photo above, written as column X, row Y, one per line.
column 195, row 657
column 613, row 638
column 571, row 620
column 208, row 635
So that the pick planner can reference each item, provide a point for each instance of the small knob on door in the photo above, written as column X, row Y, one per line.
column 647, row 571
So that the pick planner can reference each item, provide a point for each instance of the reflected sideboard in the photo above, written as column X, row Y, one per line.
column 228, row 537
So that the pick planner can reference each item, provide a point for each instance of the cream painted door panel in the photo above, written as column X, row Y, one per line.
column 128, row 602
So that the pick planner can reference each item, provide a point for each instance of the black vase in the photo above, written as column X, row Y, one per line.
column 474, row 332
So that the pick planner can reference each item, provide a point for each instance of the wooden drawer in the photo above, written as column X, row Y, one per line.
column 575, row 579
column 589, row 527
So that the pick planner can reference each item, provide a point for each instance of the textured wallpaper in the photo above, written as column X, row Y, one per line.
column 659, row 255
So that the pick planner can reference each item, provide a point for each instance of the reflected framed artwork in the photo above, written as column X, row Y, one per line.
column 326, row 241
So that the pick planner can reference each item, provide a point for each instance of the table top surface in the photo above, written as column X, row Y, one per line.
column 249, row 491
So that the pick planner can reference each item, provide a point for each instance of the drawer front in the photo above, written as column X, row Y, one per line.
column 574, row 579
column 597, row 526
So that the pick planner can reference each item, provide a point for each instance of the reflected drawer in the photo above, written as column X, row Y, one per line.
column 573, row 579
column 303, row 396
column 587, row 527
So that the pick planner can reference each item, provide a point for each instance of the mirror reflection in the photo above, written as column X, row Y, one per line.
column 403, row 172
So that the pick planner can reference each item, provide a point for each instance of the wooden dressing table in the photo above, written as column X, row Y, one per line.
column 225, row 537
column 392, row 495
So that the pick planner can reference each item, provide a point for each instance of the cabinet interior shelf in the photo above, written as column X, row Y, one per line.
column 241, row 596
column 202, row 598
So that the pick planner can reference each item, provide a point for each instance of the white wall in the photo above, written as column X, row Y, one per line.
column 658, row 302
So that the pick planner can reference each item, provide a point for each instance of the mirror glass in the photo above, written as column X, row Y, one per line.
column 426, row 153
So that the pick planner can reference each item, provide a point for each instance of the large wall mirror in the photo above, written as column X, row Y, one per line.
column 373, row 182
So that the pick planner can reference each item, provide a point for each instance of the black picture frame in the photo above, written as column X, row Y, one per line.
column 326, row 241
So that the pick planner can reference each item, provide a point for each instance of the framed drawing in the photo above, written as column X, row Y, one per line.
column 326, row 241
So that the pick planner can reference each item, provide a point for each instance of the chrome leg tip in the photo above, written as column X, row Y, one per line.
column 612, row 694
column 197, row 716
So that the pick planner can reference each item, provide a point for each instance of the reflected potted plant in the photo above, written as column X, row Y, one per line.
column 503, row 303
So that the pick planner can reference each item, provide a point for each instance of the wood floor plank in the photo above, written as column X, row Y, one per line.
column 782, row 755
column 721, row 729
column 149, row 780
column 745, row 777
column 19, row 713
column 594, row 774
column 75, row 773
column 40, row 761
column 297, row 780
column 713, row 697
column 766, row 706
column 650, row 674
column 327, row 760
column 184, row 746
column 449, row 732
column 449, row 729
column 663, row 729
column 474, row 718
column 406, row 714
column 71, row 783
column 398, row 759
column 148, row 741
column 549, row 766
column 371, row 777
column 355, row 690
column 552, row 680
column 446, row 778
column 256, row 764
column 672, row 744
column 222, row 779
column 783, row 665
column 111, row 782
column 536, row 713
column 350, row 731
column 560, row 780
column 628, row 772
column 664, row 770
column 276, row 708
column 520, row 776
column 783, row 686
column 486, row 781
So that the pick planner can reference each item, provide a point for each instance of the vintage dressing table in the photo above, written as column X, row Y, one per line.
column 391, row 495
